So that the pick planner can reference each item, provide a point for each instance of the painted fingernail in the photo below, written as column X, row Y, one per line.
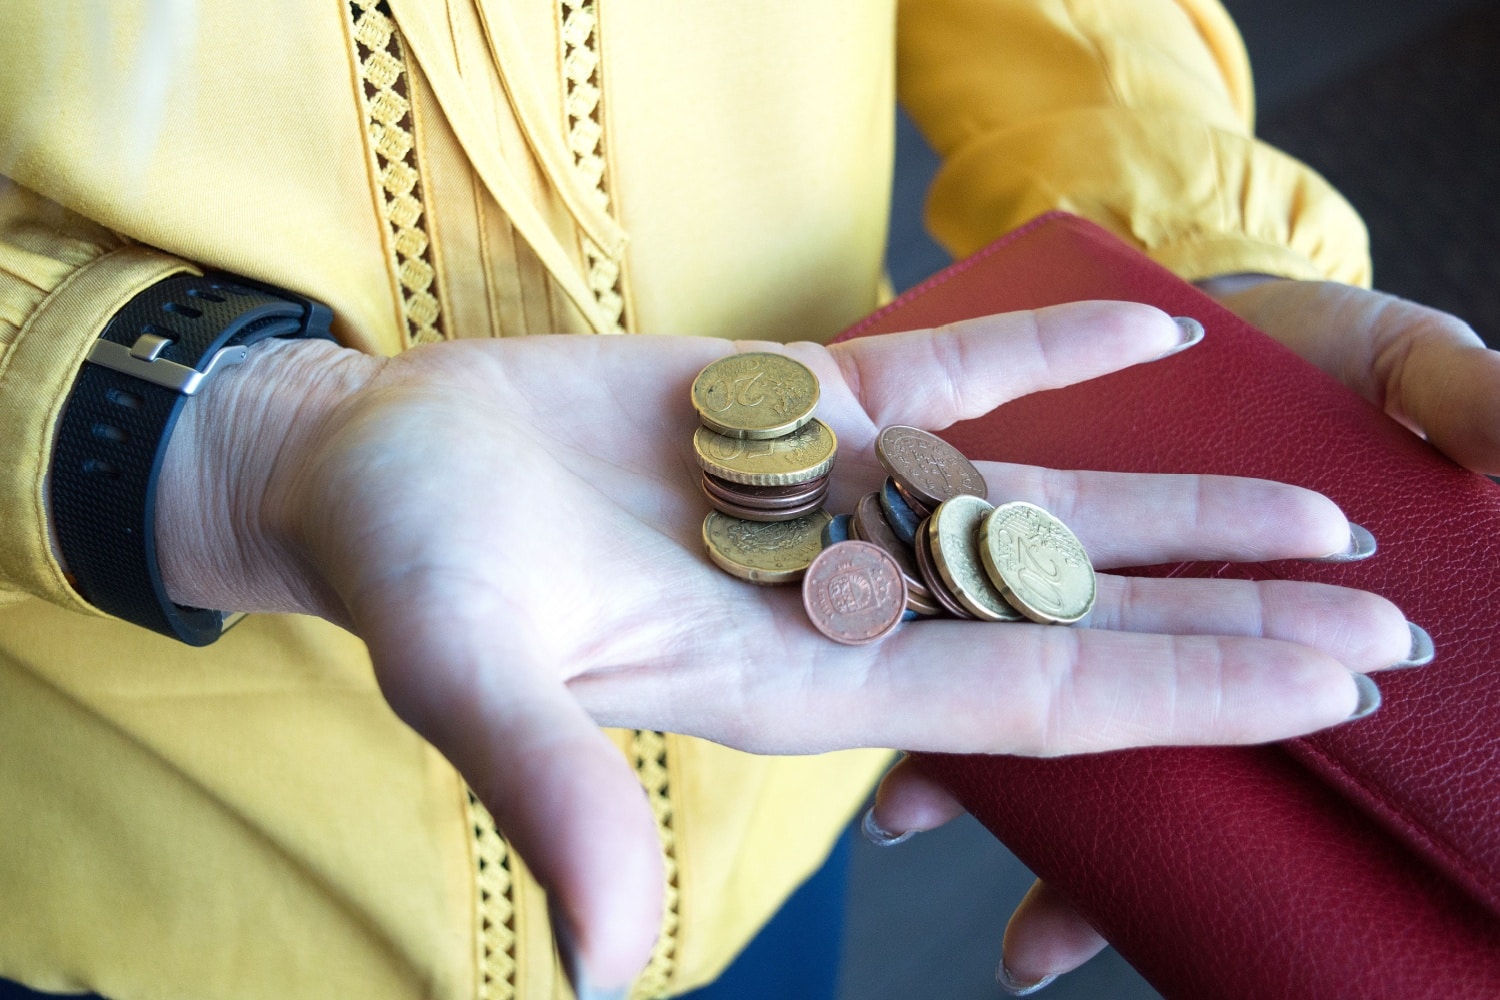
column 1361, row 546
column 1019, row 988
column 879, row 835
column 1191, row 332
column 1369, row 698
column 578, row 976
column 1422, row 649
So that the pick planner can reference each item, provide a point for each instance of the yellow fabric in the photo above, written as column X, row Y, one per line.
column 249, row 819
column 1136, row 115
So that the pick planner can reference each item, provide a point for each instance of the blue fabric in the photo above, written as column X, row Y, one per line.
column 796, row 955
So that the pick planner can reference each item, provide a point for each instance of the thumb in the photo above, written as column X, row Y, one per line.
column 561, row 793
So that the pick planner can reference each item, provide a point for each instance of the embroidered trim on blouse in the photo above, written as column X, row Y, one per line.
column 583, row 106
column 648, row 752
column 495, row 920
column 380, row 56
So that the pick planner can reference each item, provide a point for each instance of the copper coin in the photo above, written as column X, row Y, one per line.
column 854, row 593
column 717, row 492
column 928, row 468
column 757, row 495
column 759, row 514
column 917, row 506
column 922, row 607
column 874, row 528
column 898, row 514
column 935, row 585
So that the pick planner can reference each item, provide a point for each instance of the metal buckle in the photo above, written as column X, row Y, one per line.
column 140, row 360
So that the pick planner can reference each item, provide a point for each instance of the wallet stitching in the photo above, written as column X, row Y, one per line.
column 1418, row 831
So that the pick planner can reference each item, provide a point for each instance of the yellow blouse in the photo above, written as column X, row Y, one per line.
column 250, row 819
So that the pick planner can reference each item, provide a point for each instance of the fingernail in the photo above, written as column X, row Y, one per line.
column 878, row 835
column 1191, row 332
column 1361, row 546
column 1422, row 649
column 1369, row 698
column 567, row 953
column 1015, row 987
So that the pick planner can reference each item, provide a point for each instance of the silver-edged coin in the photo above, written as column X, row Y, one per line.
column 836, row 530
column 898, row 514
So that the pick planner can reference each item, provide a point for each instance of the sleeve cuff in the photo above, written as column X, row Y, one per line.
column 36, row 375
column 1201, row 201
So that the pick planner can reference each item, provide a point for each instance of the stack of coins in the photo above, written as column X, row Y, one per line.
column 957, row 555
column 764, row 457
column 927, row 544
column 765, row 463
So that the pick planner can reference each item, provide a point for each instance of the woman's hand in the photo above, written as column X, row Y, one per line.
column 513, row 528
column 1425, row 368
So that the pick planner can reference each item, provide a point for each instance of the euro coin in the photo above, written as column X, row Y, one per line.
column 926, row 467
column 854, row 593
column 764, row 552
column 755, row 396
column 799, row 457
column 1037, row 563
column 953, row 537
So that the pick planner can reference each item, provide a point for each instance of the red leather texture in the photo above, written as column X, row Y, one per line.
column 1361, row 862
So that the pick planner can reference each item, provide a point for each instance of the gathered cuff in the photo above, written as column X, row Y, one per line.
column 37, row 371
column 1198, row 199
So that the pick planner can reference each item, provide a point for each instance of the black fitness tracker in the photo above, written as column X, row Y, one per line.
column 158, row 350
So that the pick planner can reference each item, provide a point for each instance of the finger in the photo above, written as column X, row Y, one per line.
column 1128, row 519
column 973, row 687
column 932, row 378
column 1423, row 366
column 560, row 792
column 1309, row 614
column 908, row 802
column 1045, row 938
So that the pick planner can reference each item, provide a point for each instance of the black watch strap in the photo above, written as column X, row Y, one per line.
column 155, row 353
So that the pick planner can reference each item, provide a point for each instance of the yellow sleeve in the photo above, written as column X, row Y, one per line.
column 61, row 279
column 1136, row 114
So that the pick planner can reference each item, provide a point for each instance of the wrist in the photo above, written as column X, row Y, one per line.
column 227, row 518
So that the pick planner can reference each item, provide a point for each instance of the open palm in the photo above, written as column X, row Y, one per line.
column 513, row 527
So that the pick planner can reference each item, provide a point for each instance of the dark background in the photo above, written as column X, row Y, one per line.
column 1398, row 104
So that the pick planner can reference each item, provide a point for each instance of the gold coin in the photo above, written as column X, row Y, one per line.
column 764, row 551
column 799, row 457
column 1037, row 563
column 953, row 536
column 756, row 395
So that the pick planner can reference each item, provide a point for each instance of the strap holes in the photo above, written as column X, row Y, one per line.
column 99, row 467
column 228, row 288
column 199, row 293
column 109, row 432
column 123, row 399
column 182, row 310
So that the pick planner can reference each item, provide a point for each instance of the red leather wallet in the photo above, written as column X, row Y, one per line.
column 1359, row 862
